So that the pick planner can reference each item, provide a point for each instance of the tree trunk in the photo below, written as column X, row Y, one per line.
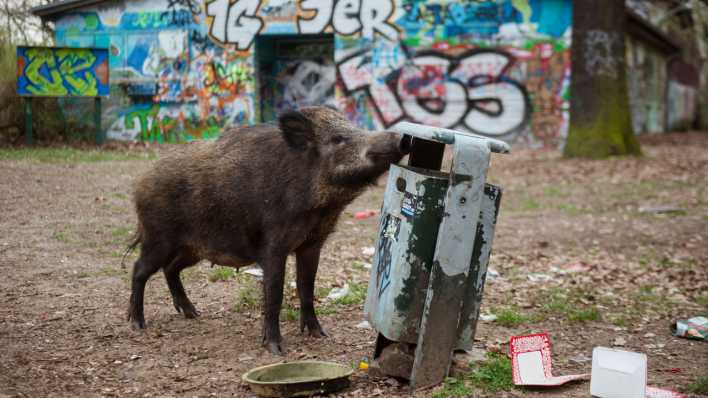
column 700, row 21
column 600, row 118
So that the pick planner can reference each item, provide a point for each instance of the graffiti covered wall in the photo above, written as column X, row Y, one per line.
column 181, row 69
column 51, row 71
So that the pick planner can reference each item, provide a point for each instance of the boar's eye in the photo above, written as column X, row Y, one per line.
column 339, row 139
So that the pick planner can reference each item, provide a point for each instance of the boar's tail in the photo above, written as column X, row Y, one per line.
column 136, row 239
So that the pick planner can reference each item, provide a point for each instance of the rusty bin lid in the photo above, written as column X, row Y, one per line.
column 298, row 378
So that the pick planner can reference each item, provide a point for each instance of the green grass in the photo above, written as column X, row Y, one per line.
column 120, row 195
column 289, row 313
column 510, row 317
column 71, row 238
column 104, row 271
column 492, row 375
column 553, row 191
column 619, row 320
column 220, row 274
column 700, row 386
column 584, row 314
column 69, row 155
column 358, row 265
column 118, row 232
column 453, row 387
column 567, row 303
column 62, row 236
column 702, row 299
column 356, row 296
column 249, row 295
column 529, row 204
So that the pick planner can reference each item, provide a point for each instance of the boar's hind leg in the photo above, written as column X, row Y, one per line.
column 308, row 258
column 152, row 258
column 179, row 297
column 273, row 280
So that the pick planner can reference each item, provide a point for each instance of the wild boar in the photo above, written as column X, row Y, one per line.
column 255, row 195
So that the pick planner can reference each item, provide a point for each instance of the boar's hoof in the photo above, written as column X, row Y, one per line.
column 188, row 310
column 137, row 324
column 313, row 329
column 191, row 313
column 274, row 348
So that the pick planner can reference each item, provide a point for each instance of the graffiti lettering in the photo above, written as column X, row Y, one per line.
column 599, row 58
column 468, row 91
column 307, row 83
column 234, row 22
column 348, row 17
column 62, row 71
column 387, row 235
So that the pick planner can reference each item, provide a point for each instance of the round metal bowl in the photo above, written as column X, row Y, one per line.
column 298, row 378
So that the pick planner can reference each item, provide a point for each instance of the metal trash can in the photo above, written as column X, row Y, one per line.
column 431, row 255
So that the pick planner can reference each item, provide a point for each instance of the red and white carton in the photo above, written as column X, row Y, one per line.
column 531, row 362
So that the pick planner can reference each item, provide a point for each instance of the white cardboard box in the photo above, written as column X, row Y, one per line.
column 618, row 374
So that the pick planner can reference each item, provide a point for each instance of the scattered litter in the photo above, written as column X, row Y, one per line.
column 361, row 215
column 577, row 266
column 254, row 271
column 338, row 292
column 619, row 342
column 487, row 317
column 492, row 273
column 539, row 277
column 292, row 284
column 362, row 264
column 364, row 363
column 655, row 392
column 367, row 251
column 363, row 325
column 661, row 209
column 693, row 328
column 580, row 359
column 614, row 368
column 649, row 335
column 531, row 362
column 135, row 357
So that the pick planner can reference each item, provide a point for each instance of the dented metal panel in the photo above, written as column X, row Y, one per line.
column 478, row 268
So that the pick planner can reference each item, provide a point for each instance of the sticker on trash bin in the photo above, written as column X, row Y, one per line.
column 409, row 205
column 531, row 362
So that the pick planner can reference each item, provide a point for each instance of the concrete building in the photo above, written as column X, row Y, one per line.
column 182, row 69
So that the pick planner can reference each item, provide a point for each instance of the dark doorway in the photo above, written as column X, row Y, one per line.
column 294, row 71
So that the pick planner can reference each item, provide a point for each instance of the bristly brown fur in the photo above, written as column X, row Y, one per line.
column 255, row 195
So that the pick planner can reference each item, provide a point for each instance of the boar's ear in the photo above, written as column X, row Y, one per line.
column 297, row 129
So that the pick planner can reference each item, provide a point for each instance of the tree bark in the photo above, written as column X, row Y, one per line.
column 600, row 116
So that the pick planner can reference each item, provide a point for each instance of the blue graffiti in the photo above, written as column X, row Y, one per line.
column 483, row 18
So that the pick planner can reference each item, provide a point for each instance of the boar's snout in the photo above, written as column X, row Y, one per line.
column 388, row 147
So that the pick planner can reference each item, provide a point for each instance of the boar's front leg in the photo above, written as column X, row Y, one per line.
column 308, row 258
column 273, row 281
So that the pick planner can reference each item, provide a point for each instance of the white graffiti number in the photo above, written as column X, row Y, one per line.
column 469, row 92
column 235, row 23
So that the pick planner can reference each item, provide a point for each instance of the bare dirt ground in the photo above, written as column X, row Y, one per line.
column 576, row 256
